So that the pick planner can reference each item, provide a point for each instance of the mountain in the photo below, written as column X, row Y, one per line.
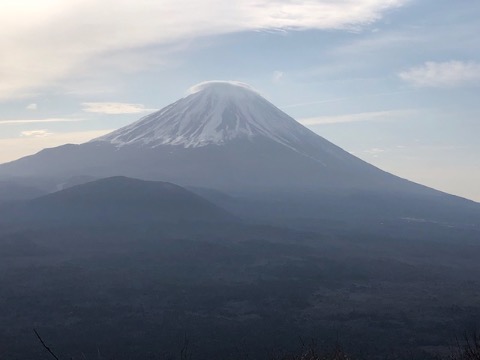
column 12, row 191
column 118, row 200
column 224, row 136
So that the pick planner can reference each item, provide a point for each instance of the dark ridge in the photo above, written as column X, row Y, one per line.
column 121, row 200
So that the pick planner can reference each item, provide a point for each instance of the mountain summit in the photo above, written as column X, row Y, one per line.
column 216, row 113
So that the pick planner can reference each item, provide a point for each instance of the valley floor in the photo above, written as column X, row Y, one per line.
column 234, row 292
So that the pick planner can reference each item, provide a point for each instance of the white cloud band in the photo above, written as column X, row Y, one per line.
column 37, row 121
column 36, row 133
column 113, row 108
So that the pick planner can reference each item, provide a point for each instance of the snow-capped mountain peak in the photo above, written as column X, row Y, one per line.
column 213, row 112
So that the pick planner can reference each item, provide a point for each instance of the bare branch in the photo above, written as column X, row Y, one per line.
column 44, row 345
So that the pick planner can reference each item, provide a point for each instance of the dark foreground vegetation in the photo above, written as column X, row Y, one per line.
column 468, row 349
column 237, row 291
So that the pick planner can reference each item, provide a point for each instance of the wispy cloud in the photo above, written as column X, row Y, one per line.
column 37, row 121
column 312, row 103
column 357, row 117
column 379, row 41
column 31, row 106
column 35, row 54
column 114, row 108
column 443, row 74
column 375, row 152
column 36, row 133
column 277, row 76
column 340, row 99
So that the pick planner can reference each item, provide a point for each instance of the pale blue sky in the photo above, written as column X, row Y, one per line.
column 395, row 82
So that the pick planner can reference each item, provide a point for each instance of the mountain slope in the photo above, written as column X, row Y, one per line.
column 12, row 191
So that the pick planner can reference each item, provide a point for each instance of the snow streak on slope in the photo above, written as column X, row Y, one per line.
column 215, row 112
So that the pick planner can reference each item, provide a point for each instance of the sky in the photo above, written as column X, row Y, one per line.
column 394, row 82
